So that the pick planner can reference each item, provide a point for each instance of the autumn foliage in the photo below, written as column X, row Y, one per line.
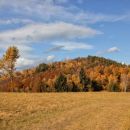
column 78, row 75
column 7, row 64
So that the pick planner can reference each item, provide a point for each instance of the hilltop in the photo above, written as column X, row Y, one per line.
column 81, row 74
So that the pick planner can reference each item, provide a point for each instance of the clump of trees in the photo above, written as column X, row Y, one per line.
column 78, row 75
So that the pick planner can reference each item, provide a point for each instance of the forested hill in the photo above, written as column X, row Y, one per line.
column 93, row 61
column 81, row 74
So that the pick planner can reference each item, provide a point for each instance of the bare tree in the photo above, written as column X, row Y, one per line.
column 124, row 82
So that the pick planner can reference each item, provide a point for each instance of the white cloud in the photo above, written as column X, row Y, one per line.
column 50, row 58
column 49, row 10
column 73, row 45
column 91, row 18
column 110, row 50
column 36, row 32
column 24, row 62
column 15, row 21
column 30, row 62
column 113, row 49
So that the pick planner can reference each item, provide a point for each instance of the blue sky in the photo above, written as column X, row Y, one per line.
column 51, row 30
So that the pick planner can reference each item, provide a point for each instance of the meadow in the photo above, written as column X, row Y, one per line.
column 65, row 111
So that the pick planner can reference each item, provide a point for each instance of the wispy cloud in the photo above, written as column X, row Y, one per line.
column 48, row 10
column 15, row 21
column 55, row 49
column 36, row 32
column 113, row 49
column 110, row 50
column 69, row 46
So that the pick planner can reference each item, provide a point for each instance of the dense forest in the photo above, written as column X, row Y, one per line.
column 77, row 75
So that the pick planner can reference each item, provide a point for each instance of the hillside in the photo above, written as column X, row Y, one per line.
column 81, row 74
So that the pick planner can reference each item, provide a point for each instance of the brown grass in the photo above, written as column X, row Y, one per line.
column 65, row 111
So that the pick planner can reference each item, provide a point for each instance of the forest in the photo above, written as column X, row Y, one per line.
column 82, row 74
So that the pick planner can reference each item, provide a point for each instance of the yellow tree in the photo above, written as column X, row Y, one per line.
column 8, row 62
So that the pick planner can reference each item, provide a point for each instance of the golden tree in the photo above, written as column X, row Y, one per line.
column 8, row 62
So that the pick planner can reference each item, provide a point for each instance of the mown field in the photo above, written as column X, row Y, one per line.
column 65, row 111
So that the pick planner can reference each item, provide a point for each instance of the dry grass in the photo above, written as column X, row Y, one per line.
column 65, row 111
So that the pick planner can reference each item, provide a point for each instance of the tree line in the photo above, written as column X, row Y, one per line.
column 78, row 75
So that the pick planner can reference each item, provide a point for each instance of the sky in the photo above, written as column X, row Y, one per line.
column 55, row 30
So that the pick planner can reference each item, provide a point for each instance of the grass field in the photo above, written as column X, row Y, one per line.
column 65, row 111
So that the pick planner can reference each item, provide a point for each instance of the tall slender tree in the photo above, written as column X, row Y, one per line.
column 8, row 62
column 124, row 82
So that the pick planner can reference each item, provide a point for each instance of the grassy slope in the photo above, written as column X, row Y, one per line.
column 65, row 111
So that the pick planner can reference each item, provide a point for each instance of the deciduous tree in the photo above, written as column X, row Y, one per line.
column 8, row 62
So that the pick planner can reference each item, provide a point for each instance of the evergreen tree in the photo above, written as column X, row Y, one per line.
column 61, row 84
column 84, row 80
column 75, row 88
column 95, row 86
